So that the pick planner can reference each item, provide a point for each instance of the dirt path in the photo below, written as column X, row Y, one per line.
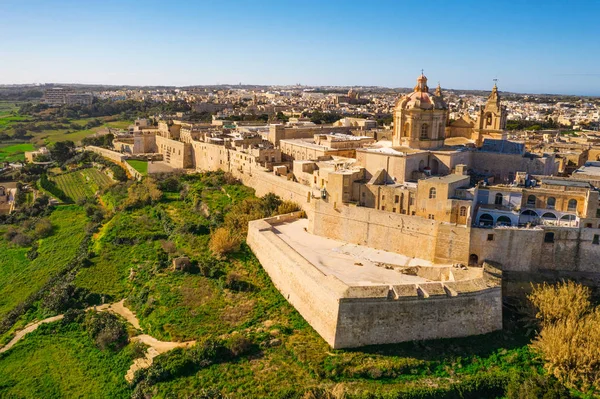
column 29, row 328
column 156, row 347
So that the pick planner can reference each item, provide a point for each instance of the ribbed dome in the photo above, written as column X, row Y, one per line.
column 421, row 98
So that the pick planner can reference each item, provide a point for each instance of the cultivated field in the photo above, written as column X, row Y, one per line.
column 82, row 183
column 14, row 152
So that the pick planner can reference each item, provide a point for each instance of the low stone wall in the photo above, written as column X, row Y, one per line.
column 134, row 173
column 351, row 316
column 106, row 153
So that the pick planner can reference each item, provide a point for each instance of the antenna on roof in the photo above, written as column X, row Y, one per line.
column 421, row 71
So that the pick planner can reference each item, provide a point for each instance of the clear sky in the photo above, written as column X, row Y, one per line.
column 530, row 46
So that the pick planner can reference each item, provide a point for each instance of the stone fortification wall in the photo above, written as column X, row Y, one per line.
column 408, row 235
column 116, row 157
column 351, row 316
column 418, row 312
column 131, row 170
column 212, row 157
column 106, row 153
column 526, row 250
column 266, row 182
column 312, row 293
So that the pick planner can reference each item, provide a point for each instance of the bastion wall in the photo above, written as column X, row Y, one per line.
column 408, row 235
column 352, row 316
column 530, row 250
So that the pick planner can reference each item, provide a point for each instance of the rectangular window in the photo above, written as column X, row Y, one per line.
column 431, row 217
column 549, row 237
column 383, row 208
column 596, row 240
column 394, row 210
column 383, row 197
column 396, row 199
column 490, row 237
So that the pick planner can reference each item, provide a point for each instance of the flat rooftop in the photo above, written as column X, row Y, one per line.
column 354, row 265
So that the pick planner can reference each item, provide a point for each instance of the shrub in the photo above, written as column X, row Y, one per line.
column 43, row 228
column 223, row 242
column 106, row 330
column 287, row 207
column 537, row 387
column 569, row 341
column 560, row 302
column 238, row 345
column 64, row 296
column 22, row 240
column 142, row 193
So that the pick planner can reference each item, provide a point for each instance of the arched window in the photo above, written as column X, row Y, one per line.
column 424, row 131
column 432, row 193
column 531, row 200
column 498, row 199
column 463, row 211
column 572, row 207
column 486, row 220
column 549, row 215
column 488, row 119
column 503, row 221
column 551, row 203
column 406, row 132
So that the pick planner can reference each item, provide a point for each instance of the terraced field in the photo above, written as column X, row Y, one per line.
column 82, row 183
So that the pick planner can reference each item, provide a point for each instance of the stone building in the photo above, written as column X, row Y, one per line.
column 420, row 118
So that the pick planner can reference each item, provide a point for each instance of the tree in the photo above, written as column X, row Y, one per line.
column 62, row 151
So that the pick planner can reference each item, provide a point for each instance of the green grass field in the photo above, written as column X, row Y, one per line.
column 20, row 277
column 52, row 136
column 82, row 183
column 14, row 152
column 140, row 166
column 62, row 362
column 45, row 137
column 6, row 107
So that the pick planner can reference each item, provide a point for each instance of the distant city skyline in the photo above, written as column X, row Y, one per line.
column 550, row 47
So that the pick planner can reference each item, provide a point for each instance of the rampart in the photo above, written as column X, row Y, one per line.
column 408, row 235
column 532, row 249
column 117, row 157
column 351, row 316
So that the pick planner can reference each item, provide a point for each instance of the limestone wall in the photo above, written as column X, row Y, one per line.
column 525, row 250
column 175, row 153
column 106, row 153
column 369, row 321
column 313, row 294
column 411, row 236
column 351, row 316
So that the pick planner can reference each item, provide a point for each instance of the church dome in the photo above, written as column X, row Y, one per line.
column 420, row 98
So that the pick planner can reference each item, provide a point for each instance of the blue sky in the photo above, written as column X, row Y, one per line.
column 530, row 46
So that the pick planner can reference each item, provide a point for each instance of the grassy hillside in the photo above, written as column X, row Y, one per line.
column 20, row 277
column 62, row 362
